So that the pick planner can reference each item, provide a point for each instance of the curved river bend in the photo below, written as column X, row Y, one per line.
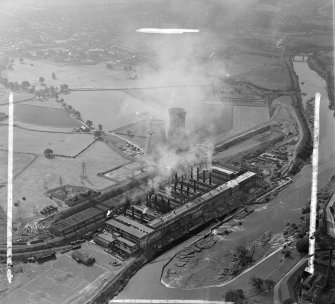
column 146, row 283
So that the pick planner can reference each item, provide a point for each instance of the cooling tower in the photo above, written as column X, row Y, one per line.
column 157, row 136
column 177, row 137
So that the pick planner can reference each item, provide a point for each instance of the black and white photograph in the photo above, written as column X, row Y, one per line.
column 167, row 151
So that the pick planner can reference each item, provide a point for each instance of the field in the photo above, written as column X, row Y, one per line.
column 21, row 160
column 246, row 117
column 76, row 76
column 247, row 145
column 4, row 94
column 112, row 109
column 121, row 174
column 44, row 116
column 44, row 174
column 59, row 281
column 266, row 72
column 26, row 141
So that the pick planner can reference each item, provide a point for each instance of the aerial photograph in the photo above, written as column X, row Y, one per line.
column 167, row 151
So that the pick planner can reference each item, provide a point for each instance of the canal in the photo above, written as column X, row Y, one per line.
column 285, row 207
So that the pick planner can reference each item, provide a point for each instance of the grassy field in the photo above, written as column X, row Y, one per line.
column 246, row 117
column 44, row 116
column 262, row 71
column 4, row 94
column 36, row 142
column 44, row 174
column 21, row 160
column 121, row 174
column 112, row 109
column 74, row 75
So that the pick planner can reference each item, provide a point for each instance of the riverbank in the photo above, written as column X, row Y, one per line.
column 327, row 73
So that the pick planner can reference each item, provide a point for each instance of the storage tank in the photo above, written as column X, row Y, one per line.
column 177, row 138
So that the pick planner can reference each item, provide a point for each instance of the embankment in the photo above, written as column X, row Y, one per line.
column 327, row 73
column 305, row 148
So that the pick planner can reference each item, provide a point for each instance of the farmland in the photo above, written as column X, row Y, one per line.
column 44, row 116
column 44, row 174
column 21, row 160
column 27, row 141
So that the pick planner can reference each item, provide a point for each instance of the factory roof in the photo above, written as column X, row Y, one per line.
column 126, row 242
column 245, row 176
column 223, row 170
column 108, row 237
column 128, row 229
column 200, row 199
column 128, row 221
column 148, row 211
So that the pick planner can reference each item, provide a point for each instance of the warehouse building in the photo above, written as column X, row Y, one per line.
column 129, row 232
column 125, row 245
column 104, row 239
column 221, row 175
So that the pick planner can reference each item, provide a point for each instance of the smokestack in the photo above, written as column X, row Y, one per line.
column 155, row 202
column 132, row 212
column 191, row 172
column 177, row 138
column 181, row 186
column 198, row 173
column 203, row 176
column 175, row 185
column 156, row 138
column 194, row 188
column 210, row 178
column 188, row 189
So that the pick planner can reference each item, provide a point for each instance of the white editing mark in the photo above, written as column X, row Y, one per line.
column 315, row 160
column 10, row 189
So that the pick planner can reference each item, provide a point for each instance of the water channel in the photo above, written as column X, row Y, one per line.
column 146, row 283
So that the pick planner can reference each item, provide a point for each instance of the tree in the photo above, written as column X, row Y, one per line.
column 89, row 123
column 41, row 79
column 100, row 127
column 257, row 283
column 97, row 133
column 48, row 153
column 236, row 296
column 269, row 284
column 302, row 245
column 25, row 84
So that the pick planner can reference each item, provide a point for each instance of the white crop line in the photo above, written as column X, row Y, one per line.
column 315, row 163
column 10, row 188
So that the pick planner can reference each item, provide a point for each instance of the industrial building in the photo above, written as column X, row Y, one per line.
column 90, row 216
column 190, row 203
column 185, row 203
column 221, row 174
column 142, row 214
column 128, row 231
column 104, row 239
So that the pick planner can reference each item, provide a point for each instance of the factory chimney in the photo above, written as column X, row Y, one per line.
column 177, row 138
column 156, row 138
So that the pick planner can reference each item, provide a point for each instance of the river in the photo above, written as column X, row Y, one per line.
column 285, row 207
